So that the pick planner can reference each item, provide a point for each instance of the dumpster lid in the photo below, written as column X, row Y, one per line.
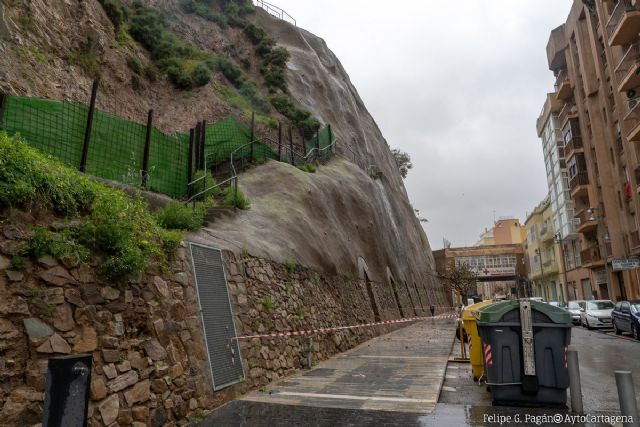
column 469, row 312
column 495, row 312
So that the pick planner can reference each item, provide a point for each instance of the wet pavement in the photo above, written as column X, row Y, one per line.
column 461, row 402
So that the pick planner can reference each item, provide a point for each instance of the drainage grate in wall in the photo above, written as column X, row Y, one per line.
column 225, row 359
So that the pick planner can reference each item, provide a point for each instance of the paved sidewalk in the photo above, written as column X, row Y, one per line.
column 399, row 373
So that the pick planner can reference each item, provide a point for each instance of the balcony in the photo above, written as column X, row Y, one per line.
column 564, row 90
column 628, row 71
column 624, row 24
column 573, row 146
column 586, row 223
column 550, row 266
column 579, row 184
column 632, row 120
column 591, row 257
column 568, row 111
column 556, row 48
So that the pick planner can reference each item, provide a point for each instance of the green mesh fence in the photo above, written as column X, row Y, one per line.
column 53, row 127
column 325, row 139
column 116, row 148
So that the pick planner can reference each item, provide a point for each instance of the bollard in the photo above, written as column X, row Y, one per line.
column 433, row 310
column 574, row 382
column 627, row 397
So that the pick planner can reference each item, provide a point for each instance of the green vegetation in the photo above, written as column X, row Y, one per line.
column 177, row 216
column 291, row 265
column 300, row 312
column 136, row 65
column 245, row 253
column 267, row 303
column 116, row 12
column 112, row 224
column 235, row 198
column 205, row 11
column 18, row 263
column 86, row 59
column 297, row 115
column 308, row 167
column 38, row 298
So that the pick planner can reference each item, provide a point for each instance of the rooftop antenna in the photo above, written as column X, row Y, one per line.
column 494, row 216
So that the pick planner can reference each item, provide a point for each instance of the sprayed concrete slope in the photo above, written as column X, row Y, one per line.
column 329, row 219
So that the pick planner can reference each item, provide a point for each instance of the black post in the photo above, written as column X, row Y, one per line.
column 87, row 130
column 279, row 138
column 291, row 145
column 330, row 136
column 203, row 134
column 196, row 142
column 318, row 142
column 147, row 145
column 190, row 163
column 3, row 101
column 253, row 131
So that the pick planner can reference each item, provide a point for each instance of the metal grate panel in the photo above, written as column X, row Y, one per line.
column 225, row 359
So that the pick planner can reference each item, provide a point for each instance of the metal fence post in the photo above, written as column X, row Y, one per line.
column 203, row 134
column 279, row 138
column 196, row 142
column 291, row 145
column 333, row 149
column 147, row 145
column 627, row 398
column 87, row 130
column 190, row 163
column 3, row 103
column 574, row 381
column 253, row 130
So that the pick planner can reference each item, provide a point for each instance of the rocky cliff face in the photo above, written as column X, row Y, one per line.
column 339, row 220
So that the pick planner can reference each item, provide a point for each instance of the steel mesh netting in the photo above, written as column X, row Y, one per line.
column 325, row 139
column 226, row 136
column 53, row 127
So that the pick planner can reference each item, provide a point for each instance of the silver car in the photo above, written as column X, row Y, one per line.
column 597, row 314
column 575, row 307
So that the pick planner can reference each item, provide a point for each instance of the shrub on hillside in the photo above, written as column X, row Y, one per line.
column 235, row 198
column 177, row 216
column 107, row 220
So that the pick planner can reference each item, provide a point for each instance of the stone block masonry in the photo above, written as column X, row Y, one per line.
column 150, row 363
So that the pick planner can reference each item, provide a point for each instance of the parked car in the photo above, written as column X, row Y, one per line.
column 556, row 304
column 596, row 314
column 626, row 318
column 538, row 299
column 574, row 308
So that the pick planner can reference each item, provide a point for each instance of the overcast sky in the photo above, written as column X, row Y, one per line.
column 458, row 85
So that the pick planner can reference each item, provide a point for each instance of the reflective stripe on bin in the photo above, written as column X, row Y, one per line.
column 488, row 358
column 566, row 363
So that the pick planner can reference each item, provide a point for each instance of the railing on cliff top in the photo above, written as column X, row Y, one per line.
column 276, row 11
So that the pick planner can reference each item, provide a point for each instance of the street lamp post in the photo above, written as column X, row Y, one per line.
column 605, row 238
column 537, row 251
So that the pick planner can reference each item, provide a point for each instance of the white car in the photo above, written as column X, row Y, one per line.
column 575, row 308
column 597, row 314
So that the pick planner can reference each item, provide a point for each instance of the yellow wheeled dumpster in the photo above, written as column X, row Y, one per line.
column 475, row 346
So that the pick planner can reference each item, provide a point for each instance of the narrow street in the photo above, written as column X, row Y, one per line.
column 396, row 380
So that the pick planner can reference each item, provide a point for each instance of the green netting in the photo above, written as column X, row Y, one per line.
column 325, row 139
column 53, row 127
column 168, row 160
column 227, row 136
column 116, row 150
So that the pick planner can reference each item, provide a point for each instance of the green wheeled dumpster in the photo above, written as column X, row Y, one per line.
column 525, row 346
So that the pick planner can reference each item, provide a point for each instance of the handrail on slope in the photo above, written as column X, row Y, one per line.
column 276, row 11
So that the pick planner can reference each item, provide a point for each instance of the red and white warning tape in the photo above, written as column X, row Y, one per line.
column 488, row 358
column 341, row 328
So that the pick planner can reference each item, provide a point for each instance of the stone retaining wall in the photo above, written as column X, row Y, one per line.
column 149, row 359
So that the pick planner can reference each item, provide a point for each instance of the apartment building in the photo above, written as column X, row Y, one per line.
column 505, row 231
column 595, row 57
column 576, row 281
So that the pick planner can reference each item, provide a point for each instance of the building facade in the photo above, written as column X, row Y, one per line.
column 595, row 57
column 505, row 231
column 545, row 268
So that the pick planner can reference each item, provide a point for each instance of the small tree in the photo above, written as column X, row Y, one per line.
column 403, row 160
column 459, row 278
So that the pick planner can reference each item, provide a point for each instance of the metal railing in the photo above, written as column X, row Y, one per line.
column 632, row 119
column 574, row 143
column 562, row 77
column 590, row 255
column 628, row 62
column 616, row 16
column 567, row 109
column 581, row 178
column 276, row 11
